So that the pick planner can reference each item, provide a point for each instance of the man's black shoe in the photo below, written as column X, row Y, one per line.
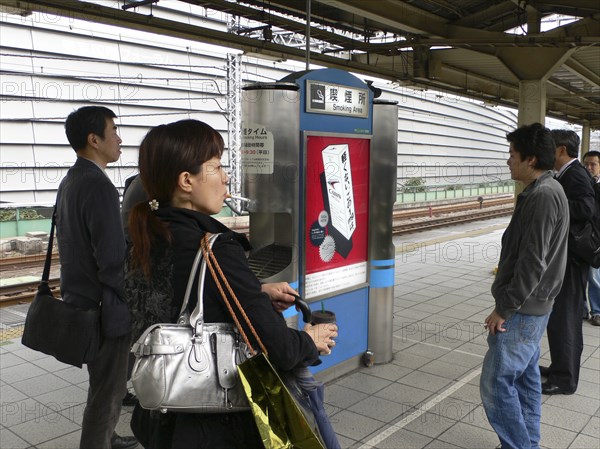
column 130, row 400
column 544, row 370
column 550, row 389
column 117, row 442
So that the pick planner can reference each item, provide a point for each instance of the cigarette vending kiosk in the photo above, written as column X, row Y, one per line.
column 319, row 162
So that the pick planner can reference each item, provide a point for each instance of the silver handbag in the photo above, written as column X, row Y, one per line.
column 190, row 366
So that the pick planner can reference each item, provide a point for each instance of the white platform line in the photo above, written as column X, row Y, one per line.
column 374, row 442
column 440, row 347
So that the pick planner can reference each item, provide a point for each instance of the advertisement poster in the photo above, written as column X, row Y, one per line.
column 337, row 205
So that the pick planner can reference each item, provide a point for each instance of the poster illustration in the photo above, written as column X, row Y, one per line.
column 337, row 205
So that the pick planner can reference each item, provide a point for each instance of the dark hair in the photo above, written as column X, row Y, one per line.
column 166, row 152
column 567, row 138
column 85, row 121
column 534, row 140
column 592, row 154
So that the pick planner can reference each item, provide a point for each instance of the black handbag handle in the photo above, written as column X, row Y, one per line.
column 46, row 274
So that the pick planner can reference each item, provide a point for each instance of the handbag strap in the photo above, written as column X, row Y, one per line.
column 48, row 262
column 190, row 282
column 214, row 267
column 199, row 309
column 197, row 315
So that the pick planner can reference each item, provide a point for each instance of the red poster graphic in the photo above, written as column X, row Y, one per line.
column 337, row 208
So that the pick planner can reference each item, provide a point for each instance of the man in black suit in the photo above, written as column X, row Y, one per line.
column 565, row 334
column 92, row 254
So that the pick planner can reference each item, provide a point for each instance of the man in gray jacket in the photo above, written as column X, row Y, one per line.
column 530, row 272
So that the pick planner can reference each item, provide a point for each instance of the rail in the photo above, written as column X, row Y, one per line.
column 24, row 292
column 14, row 263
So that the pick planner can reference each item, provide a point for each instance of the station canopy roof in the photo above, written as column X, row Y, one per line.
column 465, row 47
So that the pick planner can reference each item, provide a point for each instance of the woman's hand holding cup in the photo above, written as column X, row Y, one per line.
column 323, row 335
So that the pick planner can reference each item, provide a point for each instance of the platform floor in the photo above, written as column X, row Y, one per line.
column 427, row 397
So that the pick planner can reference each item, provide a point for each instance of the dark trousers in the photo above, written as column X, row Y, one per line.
column 108, row 385
column 565, row 332
column 155, row 430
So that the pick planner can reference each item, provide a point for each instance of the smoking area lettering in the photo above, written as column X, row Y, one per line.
column 339, row 100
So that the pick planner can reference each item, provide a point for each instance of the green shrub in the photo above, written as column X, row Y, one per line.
column 29, row 214
column 414, row 185
column 8, row 214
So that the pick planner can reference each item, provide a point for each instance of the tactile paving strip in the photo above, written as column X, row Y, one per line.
column 9, row 333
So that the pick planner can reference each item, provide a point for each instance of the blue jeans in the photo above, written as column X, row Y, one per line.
column 594, row 290
column 510, row 385
column 315, row 398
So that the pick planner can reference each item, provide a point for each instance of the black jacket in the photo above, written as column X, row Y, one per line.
column 578, row 186
column 159, row 298
column 91, row 244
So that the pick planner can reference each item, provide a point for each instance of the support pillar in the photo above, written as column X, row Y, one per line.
column 532, row 102
column 532, row 109
column 585, row 138
column 532, row 66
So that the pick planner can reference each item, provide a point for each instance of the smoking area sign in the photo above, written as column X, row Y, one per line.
column 326, row 98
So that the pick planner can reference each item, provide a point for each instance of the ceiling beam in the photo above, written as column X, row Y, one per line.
column 472, row 85
column 569, row 7
column 443, row 4
column 112, row 16
column 397, row 67
column 572, row 95
column 589, row 26
column 402, row 16
column 533, row 64
column 508, row 40
column 485, row 15
column 298, row 9
column 237, row 9
column 397, row 16
column 579, row 70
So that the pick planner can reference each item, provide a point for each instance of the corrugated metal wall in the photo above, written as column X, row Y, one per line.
column 52, row 65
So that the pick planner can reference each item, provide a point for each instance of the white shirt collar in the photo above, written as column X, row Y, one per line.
column 564, row 167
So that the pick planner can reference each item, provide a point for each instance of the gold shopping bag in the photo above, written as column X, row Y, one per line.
column 279, row 418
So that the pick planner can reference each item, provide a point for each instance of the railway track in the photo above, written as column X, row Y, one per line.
column 408, row 227
column 451, row 208
column 404, row 222
column 24, row 262
column 23, row 293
